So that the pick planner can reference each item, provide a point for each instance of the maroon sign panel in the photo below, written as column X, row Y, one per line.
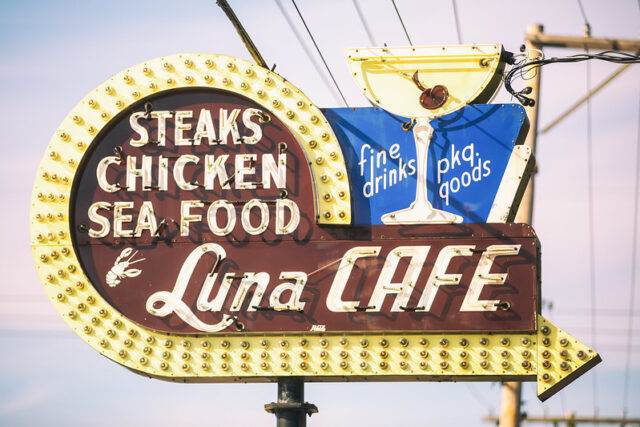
column 194, row 213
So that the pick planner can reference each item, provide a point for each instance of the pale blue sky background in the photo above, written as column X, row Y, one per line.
column 53, row 53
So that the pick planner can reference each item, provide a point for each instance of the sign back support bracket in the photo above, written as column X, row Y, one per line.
column 251, row 47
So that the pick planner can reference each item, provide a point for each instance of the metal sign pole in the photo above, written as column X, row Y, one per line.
column 291, row 410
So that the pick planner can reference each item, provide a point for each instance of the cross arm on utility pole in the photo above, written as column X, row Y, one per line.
column 536, row 37
column 572, row 420
column 571, row 42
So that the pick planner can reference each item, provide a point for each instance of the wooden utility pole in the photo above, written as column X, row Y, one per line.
column 532, row 50
column 512, row 390
column 535, row 40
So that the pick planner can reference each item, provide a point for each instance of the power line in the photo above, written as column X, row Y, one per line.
column 478, row 397
column 522, row 68
column 23, row 297
column 590, row 222
column 572, row 420
column 610, row 312
column 607, row 332
column 632, row 287
column 562, row 398
column 320, row 53
column 28, row 317
column 592, row 256
column 309, row 54
column 455, row 16
column 364, row 23
column 401, row 22
column 617, row 348
column 584, row 98
column 31, row 333
column 587, row 26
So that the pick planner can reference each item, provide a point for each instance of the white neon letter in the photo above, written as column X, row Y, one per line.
column 99, row 219
column 246, row 217
column 482, row 277
column 139, row 129
column 439, row 277
column 384, row 286
column 334, row 297
column 186, row 217
column 212, row 217
column 295, row 288
column 101, row 173
column 178, row 171
column 289, row 228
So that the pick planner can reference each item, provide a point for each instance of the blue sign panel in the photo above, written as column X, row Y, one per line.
column 467, row 154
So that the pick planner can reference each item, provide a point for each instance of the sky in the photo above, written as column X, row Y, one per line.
column 53, row 53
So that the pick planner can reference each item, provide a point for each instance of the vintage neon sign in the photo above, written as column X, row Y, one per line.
column 192, row 220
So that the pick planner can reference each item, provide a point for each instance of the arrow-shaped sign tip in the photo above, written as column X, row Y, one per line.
column 561, row 359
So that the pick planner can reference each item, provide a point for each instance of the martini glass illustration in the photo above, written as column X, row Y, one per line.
column 424, row 83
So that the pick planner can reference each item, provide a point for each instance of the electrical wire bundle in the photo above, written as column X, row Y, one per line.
column 521, row 68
